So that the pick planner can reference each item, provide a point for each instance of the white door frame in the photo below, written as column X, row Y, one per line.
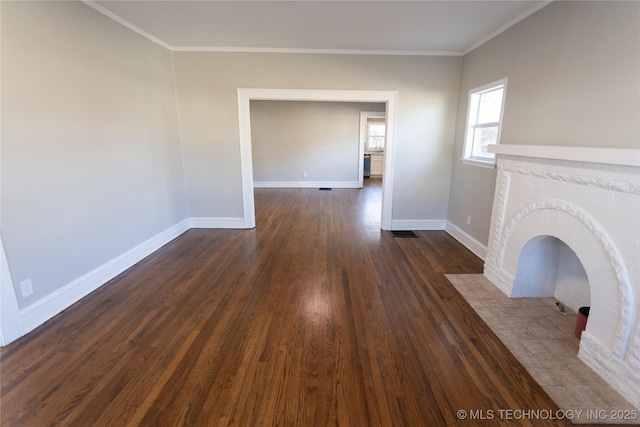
column 245, row 96
column 364, row 116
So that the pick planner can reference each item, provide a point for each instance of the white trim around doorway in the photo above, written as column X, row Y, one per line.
column 245, row 96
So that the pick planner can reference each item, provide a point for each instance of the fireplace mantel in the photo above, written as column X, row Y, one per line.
column 611, row 156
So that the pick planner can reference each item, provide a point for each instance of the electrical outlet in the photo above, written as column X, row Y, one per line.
column 27, row 288
column 468, row 219
column 304, row 175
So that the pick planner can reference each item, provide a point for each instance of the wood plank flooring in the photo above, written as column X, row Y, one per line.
column 314, row 318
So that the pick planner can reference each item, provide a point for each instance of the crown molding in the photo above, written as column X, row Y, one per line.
column 315, row 51
column 508, row 25
column 126, row 23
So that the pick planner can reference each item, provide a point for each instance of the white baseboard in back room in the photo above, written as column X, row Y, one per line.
column 306, row 184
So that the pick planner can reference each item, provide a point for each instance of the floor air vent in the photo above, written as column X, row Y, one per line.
column 404, row 233
column 325, row 188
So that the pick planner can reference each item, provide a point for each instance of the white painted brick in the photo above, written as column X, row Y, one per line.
column 599, row 330
column 601, row 274
column 633, row 254
column 631, row 229
column 625, row 170
column 615, row 229
column 610, row 294
column 553, row 165
column 600, row 213
column 574, row 168
column 513, row 162
column 564, row 221
column 557, row 194
column 520, row 238
column 552, row 183
column 608, row 287
column 538, row 192
column 614, row 214
column 626, row 198
column 600, row 324
column 606, row 308
column 551, row 220
column 597, row 170
column 634, row 270
column 510, row 261
column 601, row 194
column 572, row 187
column 626, row 175
column 583, row 200
column 620, row 217
column 599, row 265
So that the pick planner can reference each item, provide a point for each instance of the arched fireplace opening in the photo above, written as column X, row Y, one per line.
column 548, row 267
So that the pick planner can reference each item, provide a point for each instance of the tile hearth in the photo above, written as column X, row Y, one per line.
column 542, row 339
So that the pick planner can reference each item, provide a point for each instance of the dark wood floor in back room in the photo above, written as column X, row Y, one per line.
column 314, row 318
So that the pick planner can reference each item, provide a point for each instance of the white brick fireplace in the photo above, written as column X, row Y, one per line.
column 589, row 200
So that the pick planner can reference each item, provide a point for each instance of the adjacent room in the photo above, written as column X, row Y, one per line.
column 198, row 202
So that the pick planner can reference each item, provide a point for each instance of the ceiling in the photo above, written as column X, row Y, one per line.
column 449, row 27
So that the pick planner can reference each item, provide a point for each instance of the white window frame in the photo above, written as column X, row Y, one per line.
column 376, row 121
column 470, row 125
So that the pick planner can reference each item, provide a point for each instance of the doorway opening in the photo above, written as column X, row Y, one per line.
column 245, row 96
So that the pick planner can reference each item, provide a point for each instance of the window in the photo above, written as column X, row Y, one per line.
column 376, row 130
column 484, row 119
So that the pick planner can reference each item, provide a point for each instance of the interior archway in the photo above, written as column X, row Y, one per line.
column 245, row 96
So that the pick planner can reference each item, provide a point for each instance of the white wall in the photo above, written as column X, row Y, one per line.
column 207, row 104
column 572, row 72
column 91, row 162
column 320, row 139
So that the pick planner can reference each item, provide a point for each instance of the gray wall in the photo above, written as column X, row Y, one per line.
column 207, row 85
column 573, row 80
column 320, row 138
column 91, row 161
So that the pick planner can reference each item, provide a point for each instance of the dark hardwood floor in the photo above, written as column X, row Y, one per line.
column 316, row 317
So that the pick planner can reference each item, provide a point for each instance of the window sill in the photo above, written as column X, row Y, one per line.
column 489, row 164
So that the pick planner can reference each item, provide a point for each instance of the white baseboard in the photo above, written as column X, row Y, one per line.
column 44, row 309
column 461, row 236
column 204, row 222
column 306, row 184
column 417, row 224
